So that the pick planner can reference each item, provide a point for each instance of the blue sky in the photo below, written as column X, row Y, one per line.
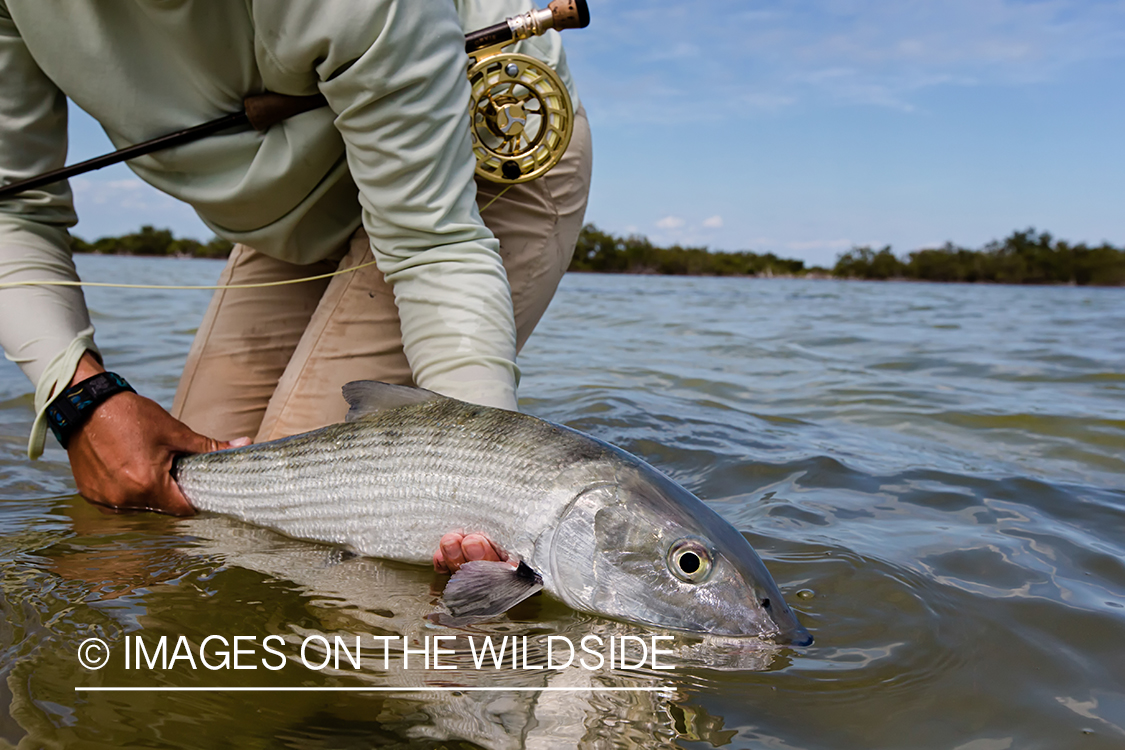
column 808, row 126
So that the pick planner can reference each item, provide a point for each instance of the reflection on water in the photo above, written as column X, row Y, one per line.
column 937, row 470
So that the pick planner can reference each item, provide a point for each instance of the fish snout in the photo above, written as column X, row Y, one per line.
column 797, row 636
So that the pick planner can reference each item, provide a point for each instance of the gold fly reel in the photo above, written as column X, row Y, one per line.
column 521, row 117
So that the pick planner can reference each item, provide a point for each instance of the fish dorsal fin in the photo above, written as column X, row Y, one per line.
column 367, row 397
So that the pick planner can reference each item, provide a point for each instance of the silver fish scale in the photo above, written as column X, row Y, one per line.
column 390, row 484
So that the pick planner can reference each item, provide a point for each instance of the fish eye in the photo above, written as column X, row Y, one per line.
column 689, row 561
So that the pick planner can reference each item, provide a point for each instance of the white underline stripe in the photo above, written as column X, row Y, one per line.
column 330, row 689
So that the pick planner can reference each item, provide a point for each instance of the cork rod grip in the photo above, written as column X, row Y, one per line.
column 570, row 14
column 265, row 110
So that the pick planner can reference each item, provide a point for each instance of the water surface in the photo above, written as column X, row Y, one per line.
column 933, row 473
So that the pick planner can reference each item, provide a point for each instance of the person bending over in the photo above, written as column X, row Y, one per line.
column 384, row 173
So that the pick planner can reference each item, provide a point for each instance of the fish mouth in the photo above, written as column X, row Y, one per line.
column 797, row 636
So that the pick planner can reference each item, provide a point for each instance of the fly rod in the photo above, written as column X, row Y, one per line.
column 261, row 111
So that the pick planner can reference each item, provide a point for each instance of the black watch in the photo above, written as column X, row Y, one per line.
column 71, row 408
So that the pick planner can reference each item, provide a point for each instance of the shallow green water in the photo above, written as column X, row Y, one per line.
column 937, row 469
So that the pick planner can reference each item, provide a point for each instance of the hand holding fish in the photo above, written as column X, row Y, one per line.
column 457, row 548
column 122, row 456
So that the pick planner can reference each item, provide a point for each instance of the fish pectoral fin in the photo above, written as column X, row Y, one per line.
column 366, row 397
column 483, row 588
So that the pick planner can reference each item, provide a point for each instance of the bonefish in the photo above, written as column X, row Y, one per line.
column 594, row 526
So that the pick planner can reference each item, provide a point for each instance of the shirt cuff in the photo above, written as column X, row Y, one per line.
column 55, row 379
column 495, row 387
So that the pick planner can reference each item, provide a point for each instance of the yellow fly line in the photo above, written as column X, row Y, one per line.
column 214, row 286
column 202, row 286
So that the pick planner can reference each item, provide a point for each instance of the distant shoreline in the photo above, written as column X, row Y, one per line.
column 829, row 277
column 1026, row 258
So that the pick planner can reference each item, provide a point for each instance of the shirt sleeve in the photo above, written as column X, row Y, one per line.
column 44, row 330
column 393, row 71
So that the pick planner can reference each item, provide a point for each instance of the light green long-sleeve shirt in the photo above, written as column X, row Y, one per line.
column 392, row 149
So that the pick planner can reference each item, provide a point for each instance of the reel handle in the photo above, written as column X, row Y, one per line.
column 558, row 15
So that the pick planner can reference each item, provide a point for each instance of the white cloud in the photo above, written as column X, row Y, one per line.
column 713, row 222
column 670, row 222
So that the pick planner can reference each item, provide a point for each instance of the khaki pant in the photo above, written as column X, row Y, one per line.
column 267, row 363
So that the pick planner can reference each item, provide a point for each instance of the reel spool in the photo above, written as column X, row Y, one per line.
column 521, row 117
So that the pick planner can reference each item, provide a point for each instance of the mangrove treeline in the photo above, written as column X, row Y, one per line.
column 1027, row 257
column 596, row 251
column 605, row 253
column 157, row 242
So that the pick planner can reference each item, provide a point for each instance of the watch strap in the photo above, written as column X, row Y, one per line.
column 71, row 408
